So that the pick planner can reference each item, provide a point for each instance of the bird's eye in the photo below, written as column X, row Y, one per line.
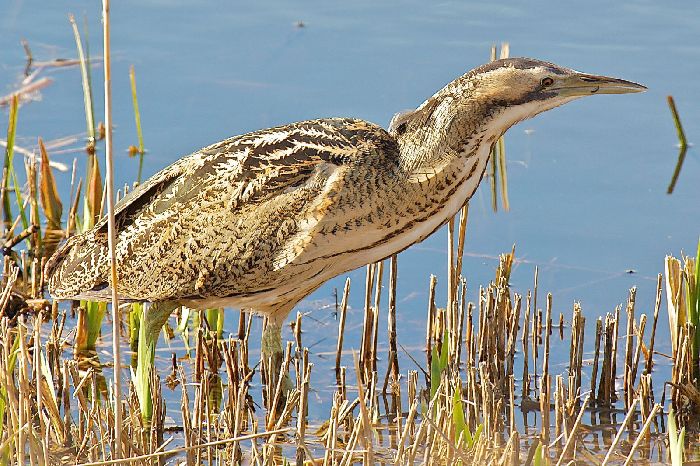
column 546, row 82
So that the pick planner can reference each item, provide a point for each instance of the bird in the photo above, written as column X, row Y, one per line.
column 260, row 220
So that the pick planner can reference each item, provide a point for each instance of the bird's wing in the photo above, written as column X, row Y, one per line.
column 237, row 173
column 75, row 270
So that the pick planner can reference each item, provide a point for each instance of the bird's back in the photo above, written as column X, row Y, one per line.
column 236, row 219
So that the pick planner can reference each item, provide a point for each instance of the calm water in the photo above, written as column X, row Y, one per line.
column 587, row 182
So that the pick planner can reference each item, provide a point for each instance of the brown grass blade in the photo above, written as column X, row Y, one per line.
column 50, row 203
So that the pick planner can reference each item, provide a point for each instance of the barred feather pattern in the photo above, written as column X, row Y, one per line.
column 260, row 220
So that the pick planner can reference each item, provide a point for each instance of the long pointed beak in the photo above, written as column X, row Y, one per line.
column 581, row 84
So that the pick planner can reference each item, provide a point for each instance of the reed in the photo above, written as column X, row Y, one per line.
column 676, row 440
column 683, row 308
column 111, row 235
column 51, row 204
column 682, row 144
column 89, row 325
column 84, row 60
column 134, row 321
column 497, row 161
column 464, row 404
column 136, row 150
column 215, row 321
column 7, row 168
column 92, row 313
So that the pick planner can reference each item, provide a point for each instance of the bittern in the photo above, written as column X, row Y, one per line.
column 261, row 220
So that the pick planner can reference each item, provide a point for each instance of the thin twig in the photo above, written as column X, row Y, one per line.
column 572, row 435
column 642, row 433
column 175, row 451
column 629, row 415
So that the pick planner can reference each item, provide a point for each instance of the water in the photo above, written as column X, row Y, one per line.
column 587, row 182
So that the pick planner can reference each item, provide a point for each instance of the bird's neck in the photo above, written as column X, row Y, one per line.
column 443, row 138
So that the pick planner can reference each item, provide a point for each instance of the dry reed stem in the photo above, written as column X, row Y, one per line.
column 642, row 433
column 375, row 316
column 341, row 323
column 629, row 335
column 175, row 451
column 302, row 407
column 461, row 233
column 431, row 320
column 111, row 225
column 368, row 320
column 526, row 355
column 657, row 305
column 7, row 291
column 406, row 431
column 454, row 448
column 393, row 363
column 620, row 431
column 596, row 353
column 574, row 429
column 29, row 88
column 613, row 359
column 637, row 353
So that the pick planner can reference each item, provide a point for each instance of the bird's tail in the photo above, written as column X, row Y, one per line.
column 79, row 268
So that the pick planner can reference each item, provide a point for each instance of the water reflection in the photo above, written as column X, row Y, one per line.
column 93, row 383
column 677, row 171
column 682, row 143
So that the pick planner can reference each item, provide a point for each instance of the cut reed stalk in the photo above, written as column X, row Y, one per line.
column 657, row 305
column 393, row 363
column 341, row 323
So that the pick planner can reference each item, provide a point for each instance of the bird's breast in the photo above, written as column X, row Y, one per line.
column 390, row 219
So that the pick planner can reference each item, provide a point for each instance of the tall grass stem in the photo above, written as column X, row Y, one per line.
column 112, row 236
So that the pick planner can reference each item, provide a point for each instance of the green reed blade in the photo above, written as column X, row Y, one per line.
column 137, row 120
column 135, row 325
column 19, row 198
column 88, row 68
column 693, row 309
column 87, row 88
column 677, row 122
column 682, row 141
column 90, row 326
column 7, row 165
column 458, row 413
column 676, row 441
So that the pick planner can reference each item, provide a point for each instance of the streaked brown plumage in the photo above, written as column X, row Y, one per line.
column 259, row 221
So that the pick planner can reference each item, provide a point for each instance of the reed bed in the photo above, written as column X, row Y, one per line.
column 471, row 405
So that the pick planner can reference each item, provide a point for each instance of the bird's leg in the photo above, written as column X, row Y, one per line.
column 151, row 322
column 272, row 357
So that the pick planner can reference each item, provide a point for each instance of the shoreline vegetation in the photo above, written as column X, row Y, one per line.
column 487, row 391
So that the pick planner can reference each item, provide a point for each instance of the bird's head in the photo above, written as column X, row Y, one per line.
column 504, row 92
